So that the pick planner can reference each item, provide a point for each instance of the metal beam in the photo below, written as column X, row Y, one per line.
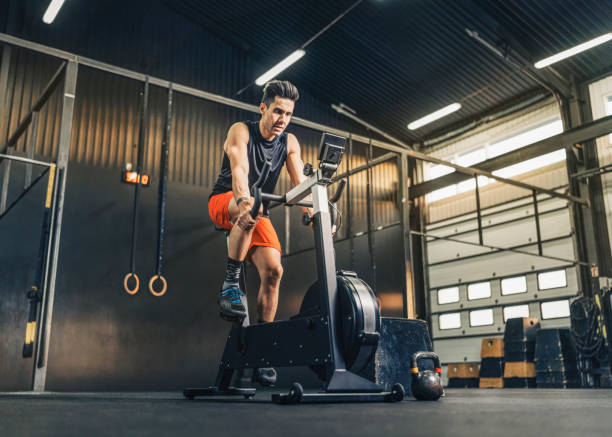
column 46, row 316
column 374, row 162
column 26, row 160
column 580, row 134
column 404, row 210
column 472, row 171
column 497, row 248
column 18, row 42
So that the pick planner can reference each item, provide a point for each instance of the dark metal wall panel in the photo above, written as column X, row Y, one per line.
column 385, row 191
column 29, row 73
column 104, row 339
column 389, row 267
column 19, row 240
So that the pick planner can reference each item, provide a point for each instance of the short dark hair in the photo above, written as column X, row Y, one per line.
column 280, row 88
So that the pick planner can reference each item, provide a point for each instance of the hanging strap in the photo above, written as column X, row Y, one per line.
column 161, row 204
column 141, row 146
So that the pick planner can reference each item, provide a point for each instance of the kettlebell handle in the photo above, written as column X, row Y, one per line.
column 414, row 361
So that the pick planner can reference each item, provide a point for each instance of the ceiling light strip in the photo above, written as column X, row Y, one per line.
column 574, row 51
column 282, row 65
column 434, row 116
column 52, row 11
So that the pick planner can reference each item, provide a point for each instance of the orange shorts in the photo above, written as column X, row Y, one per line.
column 263, row 234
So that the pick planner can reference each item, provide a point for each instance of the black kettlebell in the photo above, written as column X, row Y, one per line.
column 426, row 385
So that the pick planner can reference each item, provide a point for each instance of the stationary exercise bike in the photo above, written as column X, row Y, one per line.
column 337, row 330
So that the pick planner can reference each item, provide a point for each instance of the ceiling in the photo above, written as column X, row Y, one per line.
column 394, row 61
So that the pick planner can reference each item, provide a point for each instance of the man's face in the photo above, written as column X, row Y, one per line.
column 276, row 117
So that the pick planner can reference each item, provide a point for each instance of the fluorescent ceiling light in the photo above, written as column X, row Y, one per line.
column 574, row 50
column 434, row 116
column 52, row 11
column 272, row 72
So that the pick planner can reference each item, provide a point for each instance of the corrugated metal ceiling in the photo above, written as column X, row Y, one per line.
column 394, row 61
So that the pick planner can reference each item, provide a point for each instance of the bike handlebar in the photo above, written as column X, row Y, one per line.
column 339, row 191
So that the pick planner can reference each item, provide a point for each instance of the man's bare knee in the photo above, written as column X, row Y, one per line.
column 274, row 273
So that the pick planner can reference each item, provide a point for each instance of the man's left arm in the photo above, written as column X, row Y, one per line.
column 295, row 165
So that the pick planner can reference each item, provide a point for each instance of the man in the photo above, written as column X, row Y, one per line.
column 247, row 147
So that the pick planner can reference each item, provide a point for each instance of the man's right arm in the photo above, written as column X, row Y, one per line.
column 236, row 149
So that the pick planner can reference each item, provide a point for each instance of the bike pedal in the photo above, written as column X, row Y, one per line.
column 230, row 318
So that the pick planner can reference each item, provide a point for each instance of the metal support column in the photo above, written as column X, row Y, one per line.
column 31, row 148
column 478, row 211
column 536, row 215
column 46, row 316
column 4, row 118
column 4, row 79
column 404, row 212
column 591, row 238
column 349, row 211
column 369, row 211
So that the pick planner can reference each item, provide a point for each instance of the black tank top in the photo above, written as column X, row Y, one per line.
column 259, row 151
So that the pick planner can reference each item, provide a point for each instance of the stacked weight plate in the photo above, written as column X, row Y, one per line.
column 555, row 359
column 492, row 363
column 519, row 352
column 463, row 375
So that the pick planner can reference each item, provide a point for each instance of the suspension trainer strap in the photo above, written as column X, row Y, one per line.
column 141, row 146
column 161, row 204
column 35, row 293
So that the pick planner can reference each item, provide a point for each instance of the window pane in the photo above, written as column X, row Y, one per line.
column 480, row 290
column 555, row 309
column 442, row 193
column 470, row 184
column 448, row 295
column 531, row 164
column 450, row 321
column 437, row 170
column 516, row 311
column 470, row 158
column 523, row 139
column 481, row 317
column 554, row 279
column 514, row 285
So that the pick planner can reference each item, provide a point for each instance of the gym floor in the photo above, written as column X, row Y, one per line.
column 463, row 412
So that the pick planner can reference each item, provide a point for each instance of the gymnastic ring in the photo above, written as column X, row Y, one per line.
column 163, row 290
column 134, row 290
